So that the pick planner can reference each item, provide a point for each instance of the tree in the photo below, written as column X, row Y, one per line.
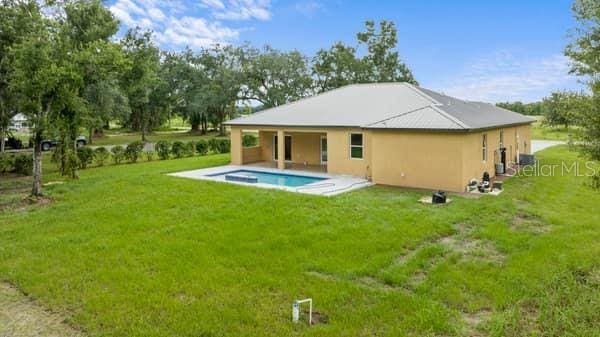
column 140, row 79
column 38, row 80
column 584, row 51
column 341, row 65
column 564, row 108
column 184, row 78
column 224, row 79
column 532, row 109
column 273, row 77
column 84, row 32
column 337, row 67
column 382, row 60
column 17, row 19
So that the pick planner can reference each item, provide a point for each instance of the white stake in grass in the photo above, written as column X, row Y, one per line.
column 296, row 310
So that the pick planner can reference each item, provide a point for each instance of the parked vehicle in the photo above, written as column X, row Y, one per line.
column 47, row 144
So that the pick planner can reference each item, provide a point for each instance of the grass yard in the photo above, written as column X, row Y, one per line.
column 544, row 132
column 129, row 251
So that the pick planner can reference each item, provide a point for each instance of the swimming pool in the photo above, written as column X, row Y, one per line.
column 279, row 179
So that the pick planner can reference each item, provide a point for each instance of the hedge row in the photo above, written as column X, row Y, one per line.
column 179, row 149
column 20, row 163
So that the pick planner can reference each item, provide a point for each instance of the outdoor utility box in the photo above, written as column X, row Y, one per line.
column 438, row 198
column 526, row 159
column 500, row 169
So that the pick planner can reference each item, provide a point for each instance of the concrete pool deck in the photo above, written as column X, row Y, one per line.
column 332, row 185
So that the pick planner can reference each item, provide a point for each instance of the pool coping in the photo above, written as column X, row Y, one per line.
column 332, row 185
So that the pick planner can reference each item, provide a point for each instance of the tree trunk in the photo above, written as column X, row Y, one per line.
column 204, row 124
column 91, row 137
column 72, row 140
column 195, row 126
column 2, row 141
column 36, row 190
column 221, row 123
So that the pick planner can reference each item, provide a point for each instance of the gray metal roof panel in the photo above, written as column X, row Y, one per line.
column 384, row 105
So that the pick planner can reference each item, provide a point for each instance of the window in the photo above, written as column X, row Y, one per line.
column 501, row 138
column 484, row 147
column 356, row 146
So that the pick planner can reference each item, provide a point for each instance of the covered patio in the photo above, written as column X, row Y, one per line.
column 304, row 150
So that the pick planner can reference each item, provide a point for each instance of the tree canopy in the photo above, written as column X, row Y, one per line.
column 584, row 51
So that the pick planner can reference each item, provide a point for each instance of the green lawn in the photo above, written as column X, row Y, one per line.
column 129, row 251
column 544, row 132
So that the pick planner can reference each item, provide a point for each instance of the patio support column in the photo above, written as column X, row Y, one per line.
column 237, row 154
column 280, row 149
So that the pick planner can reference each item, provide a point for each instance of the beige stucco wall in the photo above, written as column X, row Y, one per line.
column 473, row 163
column 252, row 154
column 433, row 160
column 417, row 159
column 235, row 135
column 338, row 153
column 306, row 146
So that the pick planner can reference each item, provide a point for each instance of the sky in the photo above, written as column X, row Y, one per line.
column 494, row 51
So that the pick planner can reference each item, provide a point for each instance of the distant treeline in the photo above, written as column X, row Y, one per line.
column 531, row 109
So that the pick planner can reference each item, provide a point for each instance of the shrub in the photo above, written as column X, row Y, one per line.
column 133, row 151
column 213, row 145
column 118, row 154
column 163, row 148
column 178, row 149
column 85, row 156
column 202, row 147
column 23, row 164
column 220, row 145
column 190, row 148
column 225, row 146
column 101, row 155
column 595, row 181
column 249, row 140
column 149, row 155
column 7, row 162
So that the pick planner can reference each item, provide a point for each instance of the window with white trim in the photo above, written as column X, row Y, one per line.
column 356, row 146
column 484, row 147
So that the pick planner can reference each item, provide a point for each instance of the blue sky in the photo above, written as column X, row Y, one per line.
column 479, row 50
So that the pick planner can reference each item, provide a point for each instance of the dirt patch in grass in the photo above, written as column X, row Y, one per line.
column 318, row 317
column 14, row 193
column 364, row 282
column 474, row 322
column 23, row 317
column 529, row 223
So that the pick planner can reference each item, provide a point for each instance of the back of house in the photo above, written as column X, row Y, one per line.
column 390, row 133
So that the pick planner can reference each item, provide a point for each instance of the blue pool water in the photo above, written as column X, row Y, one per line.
column 281, row 179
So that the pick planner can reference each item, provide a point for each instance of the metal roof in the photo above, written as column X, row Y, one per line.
column 384, row 106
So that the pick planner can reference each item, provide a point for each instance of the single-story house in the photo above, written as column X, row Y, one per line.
column 390, row 133
column 19, row 122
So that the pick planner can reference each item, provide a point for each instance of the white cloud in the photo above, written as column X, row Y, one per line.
column 503, row 76
column 216, row 4
column 308, row 8
column 239, row 9
column 176, row 25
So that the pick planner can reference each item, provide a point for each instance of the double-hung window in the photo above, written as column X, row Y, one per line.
column 484, row 147
column 356, row 146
